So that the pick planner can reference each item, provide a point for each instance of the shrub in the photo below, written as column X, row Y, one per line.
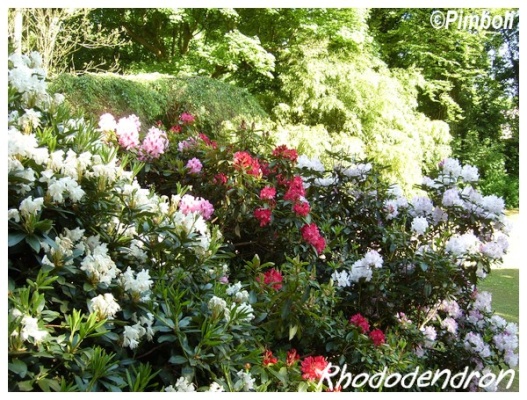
column 154, row 97
column 160, row 259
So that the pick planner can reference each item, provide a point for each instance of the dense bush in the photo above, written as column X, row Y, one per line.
column 160, row 259
column 154, row 97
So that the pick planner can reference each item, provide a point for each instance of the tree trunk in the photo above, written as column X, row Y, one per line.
column 17, row 33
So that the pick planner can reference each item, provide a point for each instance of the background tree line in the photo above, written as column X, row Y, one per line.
column 379, row 82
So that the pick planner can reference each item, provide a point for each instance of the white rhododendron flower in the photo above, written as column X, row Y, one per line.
column 105, row 305
column 419, row 225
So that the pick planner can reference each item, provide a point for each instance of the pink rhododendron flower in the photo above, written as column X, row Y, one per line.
column 361, row 322
column 377, row 336
column 190, row 143
column 189, row 204
column 127, row 130
column 187, row 118
column 313, row 367
column 194, row 166
column 267, row 193
column 263, row 215
column 154, row 144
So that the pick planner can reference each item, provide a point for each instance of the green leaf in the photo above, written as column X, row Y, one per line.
column 44, row 225
column 47, row 384
column 184, row 322
column 292, row 331
column 177, row 360
column 15, row 238
column 166, row 338
column 33, row 242
column 286, row 309
column 26, row 386
column 18, row 367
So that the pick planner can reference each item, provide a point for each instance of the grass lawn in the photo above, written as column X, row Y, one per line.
column 504, row 284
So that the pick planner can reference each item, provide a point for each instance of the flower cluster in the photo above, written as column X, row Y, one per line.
column 28, row 327
column 273, row 278
column 311, row 164
column 190, row 204
column 360, row 269
column 138, row 286
column 376, row 335
column 194, row 166
column 263, row 215
column 268, row 358
column 127, row 130
column 105, row 306
column 361, row 322
column 268, row 193
column 313, row 367
column 311, row 235
column 285, row 153
column 154, row 144
column 243, row 161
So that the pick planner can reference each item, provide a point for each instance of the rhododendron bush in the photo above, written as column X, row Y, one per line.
column 161, row 259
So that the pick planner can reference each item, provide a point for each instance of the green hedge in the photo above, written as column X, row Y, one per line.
column 154, row 97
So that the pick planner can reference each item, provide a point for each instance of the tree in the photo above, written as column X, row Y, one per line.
column 195, row 41
column 58, row 33
column 471, row 80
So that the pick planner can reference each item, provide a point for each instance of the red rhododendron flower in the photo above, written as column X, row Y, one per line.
column 187, row 118
column 377, row 336
column 264, row 166
column 175, row 129
column 220, row 178
column 267, row 193
column 361, row 322
column 268, row 358
column 320, row 244
column 281, row 180
column 309, row 232
column 313, row 367
column 292, row 357
column 295, row 189
column 283, row 152
column 245, row 162
column 311, row 235
column 263, row 215
column 301, row 209
column 207, row 141
column 273, row 278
